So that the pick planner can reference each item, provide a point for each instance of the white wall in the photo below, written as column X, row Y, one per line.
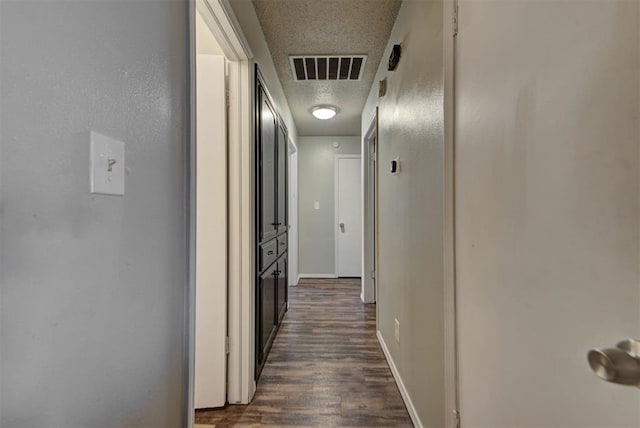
column 547, row 209
column 411, row 273
column 316, row 182
column 92, row 288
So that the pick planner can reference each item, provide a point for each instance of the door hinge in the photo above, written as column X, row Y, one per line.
column 373, row 274
column 456, row 418
column 228, row 98
column 454, row 18
column 226, row 345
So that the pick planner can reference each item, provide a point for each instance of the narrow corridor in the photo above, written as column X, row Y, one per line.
column 325, row 369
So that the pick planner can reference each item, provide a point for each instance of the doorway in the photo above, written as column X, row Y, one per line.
column 240, row 268
column 219, row 185
column 348, row 216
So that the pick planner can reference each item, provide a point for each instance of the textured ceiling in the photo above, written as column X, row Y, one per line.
column 320, row 27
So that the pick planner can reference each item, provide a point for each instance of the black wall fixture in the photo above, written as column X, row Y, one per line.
column 394, row 58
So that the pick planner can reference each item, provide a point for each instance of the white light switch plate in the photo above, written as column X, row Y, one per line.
column 107, row 165
column 316, row 205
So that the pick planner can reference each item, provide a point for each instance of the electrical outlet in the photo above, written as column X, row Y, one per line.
column 397, row 330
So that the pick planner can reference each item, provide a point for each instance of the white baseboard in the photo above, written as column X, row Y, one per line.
column 317, row 275
column 296, row 282
column 403, row 390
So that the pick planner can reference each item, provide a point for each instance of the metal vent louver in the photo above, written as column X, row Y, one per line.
column 327, row 67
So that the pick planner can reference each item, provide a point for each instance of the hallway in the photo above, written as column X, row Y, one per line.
column 325, row 368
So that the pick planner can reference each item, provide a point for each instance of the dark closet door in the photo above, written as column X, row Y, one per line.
column 267, row 162
column 282, row 282
column 283, row 155
column 271, row 145
column 267, row 311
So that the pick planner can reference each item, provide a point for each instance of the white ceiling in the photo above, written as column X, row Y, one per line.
column 321, row 27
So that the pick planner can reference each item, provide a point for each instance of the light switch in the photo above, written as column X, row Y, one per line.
column 107, row 165
column 316, row 205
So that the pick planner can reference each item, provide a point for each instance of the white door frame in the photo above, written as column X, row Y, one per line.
column 369, row 213
column 294, row 276
column 336, row 206
column 223, row 24
column 452, row 415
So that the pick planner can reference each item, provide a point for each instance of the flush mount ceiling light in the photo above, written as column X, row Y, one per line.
column 324, row 112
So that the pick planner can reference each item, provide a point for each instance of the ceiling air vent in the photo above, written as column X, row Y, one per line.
column 327, row 67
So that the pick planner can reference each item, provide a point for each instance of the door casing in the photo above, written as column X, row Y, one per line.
column 369, row 211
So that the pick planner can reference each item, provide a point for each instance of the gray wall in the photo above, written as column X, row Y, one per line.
column 410, row 206
column 316, row 183
column 92, row 287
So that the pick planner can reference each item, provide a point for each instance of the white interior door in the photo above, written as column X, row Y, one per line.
column 348, row 216
column 547, row 209
column 293, row 215
column 211, row 233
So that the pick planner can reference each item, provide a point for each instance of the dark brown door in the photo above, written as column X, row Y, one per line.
column 283, row 154
column 267, row 311
column 282, row 286
column 271, row 144
column 267, row 168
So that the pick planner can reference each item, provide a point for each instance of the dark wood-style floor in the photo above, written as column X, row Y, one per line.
column 325, row 369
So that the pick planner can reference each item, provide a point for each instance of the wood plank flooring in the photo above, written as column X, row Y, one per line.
column 325, row 369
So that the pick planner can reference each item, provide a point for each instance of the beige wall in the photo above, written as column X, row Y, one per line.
column 547, row 212
column 316, row 182
column 410, row 277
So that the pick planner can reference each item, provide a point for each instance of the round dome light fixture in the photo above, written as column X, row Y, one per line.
column 324, row 112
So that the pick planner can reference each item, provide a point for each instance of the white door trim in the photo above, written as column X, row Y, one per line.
column 336, row 206
column 293, row 213
column 367, row 295
column 240, row 382
column 452, row 417
column 190, row 327
column 224, row 26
